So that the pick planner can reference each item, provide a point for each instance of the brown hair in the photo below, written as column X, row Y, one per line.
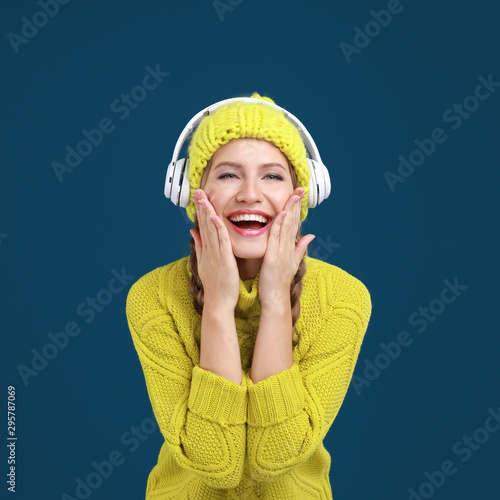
column 196, row 286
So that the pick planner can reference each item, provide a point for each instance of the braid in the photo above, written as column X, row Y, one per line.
column 196, row 286
column 296, row 287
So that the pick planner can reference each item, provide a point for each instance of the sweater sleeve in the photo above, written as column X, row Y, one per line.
column 201, row 415
column 290, row 413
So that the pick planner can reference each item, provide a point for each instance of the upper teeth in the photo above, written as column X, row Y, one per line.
column 259, row 218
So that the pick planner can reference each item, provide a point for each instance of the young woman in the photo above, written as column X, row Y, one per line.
column 248, row 345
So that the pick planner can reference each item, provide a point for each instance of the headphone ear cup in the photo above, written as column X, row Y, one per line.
column 177, row 183
column 184, row 187
column 327, row 184
column 319, row 183
column 313, row 185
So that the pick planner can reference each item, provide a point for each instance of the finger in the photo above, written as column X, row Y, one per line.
column 197, row 241
column 290, row 204
column 197, row 234
column 207, row 210
column 225, row 246
column 198, row 206
column 201, row 212
column 273, row 242
column 297, row 210
column 290, row 223
column 295, row 219
column 293, row 206
column 301, row 247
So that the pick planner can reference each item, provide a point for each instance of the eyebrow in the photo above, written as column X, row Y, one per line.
column 240, row 166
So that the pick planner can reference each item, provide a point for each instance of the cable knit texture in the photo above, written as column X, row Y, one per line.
column 264, row 440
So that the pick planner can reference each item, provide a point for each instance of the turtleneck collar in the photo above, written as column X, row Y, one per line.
column 248, row 301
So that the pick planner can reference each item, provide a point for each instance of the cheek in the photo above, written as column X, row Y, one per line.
column 283, row 201
column 216, row 201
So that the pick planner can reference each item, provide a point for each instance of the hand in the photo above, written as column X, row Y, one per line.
column 217, row 266
column 282, row 258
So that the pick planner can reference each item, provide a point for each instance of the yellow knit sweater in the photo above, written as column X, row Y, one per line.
column 264, row 440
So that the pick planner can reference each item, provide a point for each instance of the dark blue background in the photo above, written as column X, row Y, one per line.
column 60, row 241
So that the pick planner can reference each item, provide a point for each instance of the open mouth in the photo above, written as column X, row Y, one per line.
column 251, row 222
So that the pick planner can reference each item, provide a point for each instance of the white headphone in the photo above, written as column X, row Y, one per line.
column 177, row 182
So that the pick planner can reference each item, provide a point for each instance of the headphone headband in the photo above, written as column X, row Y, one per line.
column 177, row 187
column 196, row 120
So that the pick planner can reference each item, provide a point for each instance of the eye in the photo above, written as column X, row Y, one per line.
column 273, row 176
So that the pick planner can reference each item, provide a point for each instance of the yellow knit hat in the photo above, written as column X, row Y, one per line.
column 241, row 119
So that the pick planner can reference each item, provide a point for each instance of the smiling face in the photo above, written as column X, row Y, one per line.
column 248, row 174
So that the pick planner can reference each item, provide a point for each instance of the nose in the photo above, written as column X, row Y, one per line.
column 249, row 191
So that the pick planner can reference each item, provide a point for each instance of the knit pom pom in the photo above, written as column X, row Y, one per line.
column 255, row 95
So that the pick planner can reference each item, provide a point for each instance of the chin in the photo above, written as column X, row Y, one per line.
column 249, row 253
